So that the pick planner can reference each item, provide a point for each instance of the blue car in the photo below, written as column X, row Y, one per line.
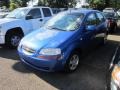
column 59, row 44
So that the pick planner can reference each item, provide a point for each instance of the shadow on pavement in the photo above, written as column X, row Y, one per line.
column 22, row 68
column 8, row 53
column 91, row 75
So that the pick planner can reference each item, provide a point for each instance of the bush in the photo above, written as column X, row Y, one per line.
column 13, row 6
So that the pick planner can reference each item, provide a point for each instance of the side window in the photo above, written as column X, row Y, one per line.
column 46, row 12
column 100, row 18
column 91, row 19
column 35, row 13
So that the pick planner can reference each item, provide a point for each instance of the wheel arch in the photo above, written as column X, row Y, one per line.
column 71, row 50
column 14, row 30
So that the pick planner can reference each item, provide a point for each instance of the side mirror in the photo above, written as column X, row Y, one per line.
column 90, row 27
column 28, row 17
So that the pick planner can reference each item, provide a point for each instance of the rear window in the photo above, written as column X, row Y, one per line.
column 46, row 12
column 107, row 15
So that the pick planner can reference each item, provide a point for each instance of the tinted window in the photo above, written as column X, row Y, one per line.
column 55, row 11
column 100, row 17
column 109, row 14
column 91, row 20
column 46, row 12
column 35, row 13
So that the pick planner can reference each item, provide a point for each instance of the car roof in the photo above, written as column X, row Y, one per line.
column 84, row 11
column 109, row 8
column 33, row 7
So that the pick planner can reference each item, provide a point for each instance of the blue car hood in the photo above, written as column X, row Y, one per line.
column 45, row 38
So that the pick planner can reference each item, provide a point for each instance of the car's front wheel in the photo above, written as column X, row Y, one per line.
column 13, row 39
column 73, row 62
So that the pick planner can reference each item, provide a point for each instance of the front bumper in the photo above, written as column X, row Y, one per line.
column 43, row 65
column 2, row 39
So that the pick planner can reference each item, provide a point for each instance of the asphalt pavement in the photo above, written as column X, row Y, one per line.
column 91, row 75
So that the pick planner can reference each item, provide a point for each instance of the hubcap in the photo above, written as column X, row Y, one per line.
column 15, row 40
column 74, row 61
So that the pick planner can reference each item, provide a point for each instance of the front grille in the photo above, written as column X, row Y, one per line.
column 27, row 49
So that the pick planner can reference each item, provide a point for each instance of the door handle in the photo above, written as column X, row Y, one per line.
column 41, row 20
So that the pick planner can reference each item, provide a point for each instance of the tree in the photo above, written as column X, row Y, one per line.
column 13, row 6
column 4, row 3
column 97, row 4
column 20, row 3
column 23, row 3
column 107, row 2
column 57, row 3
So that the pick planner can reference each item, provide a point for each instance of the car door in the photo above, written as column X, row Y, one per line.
column 88, row 36
column 47, row 14
column 36, row 20
column 101, row 28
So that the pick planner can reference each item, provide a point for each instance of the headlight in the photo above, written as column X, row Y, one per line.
column 50, row 51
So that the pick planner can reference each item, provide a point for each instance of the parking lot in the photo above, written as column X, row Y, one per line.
column 91, row 74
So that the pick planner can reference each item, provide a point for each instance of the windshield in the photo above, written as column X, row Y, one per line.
column 17, row 13
column 65, row 21
column 108, row 15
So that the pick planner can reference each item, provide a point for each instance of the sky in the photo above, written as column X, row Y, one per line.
column 33, row 3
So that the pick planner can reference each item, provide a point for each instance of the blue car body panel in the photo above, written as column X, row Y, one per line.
column 67, row 41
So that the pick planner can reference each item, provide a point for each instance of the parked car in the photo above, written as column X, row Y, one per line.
column 109, row 10
column 3, row 14
column 112, row 19
column 60, row 42
column 56, row 10
column 115, row 74
column 22, row 21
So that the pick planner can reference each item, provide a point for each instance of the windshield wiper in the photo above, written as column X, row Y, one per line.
column 50, row 27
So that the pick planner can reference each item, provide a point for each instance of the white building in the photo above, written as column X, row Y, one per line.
column 81, row 3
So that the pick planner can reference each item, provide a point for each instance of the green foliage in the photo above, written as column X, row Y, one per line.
column 97, row 4
column 57, row 3
column 101, row 4
column 20, row 3
column 4, row 3
column 13, row 6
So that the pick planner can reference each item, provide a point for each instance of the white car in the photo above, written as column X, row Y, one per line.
column 3, row 14
column 22, row 21
column 109, row 10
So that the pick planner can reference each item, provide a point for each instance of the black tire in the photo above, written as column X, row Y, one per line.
column 10, row 39
column 68, row 68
